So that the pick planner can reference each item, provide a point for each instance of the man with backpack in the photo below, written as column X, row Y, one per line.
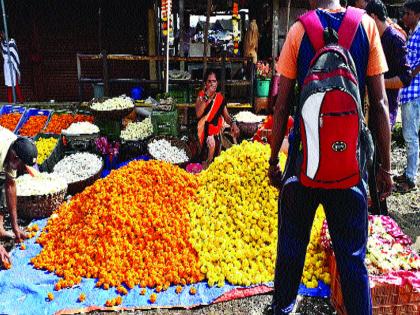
column 332, row 53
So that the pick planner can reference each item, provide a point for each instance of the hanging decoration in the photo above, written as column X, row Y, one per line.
column 235, row 24
column 166, row 14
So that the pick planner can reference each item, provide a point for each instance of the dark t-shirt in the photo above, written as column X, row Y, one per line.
column 396, row 56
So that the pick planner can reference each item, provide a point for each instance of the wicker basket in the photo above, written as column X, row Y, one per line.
column 386, row 298
column 38, row 207
column 109, row 114
column 79, row 186
column 248, row 129
column 175, row 142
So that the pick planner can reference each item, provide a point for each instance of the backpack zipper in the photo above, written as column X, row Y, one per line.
column 321, row 119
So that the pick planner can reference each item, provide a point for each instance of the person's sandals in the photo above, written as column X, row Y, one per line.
column 405, row 186
column 399, row 178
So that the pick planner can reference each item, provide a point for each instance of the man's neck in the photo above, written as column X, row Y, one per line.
column 382, row 26
column 329, row 4
column 415, row 26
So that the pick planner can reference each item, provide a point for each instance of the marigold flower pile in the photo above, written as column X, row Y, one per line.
column 45, row 146
column 10, row 121
column 130, row 228
column 235, row 220
column 60, row 122
column 33, row 125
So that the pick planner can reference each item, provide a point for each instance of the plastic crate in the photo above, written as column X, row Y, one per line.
column 33, row 112
column 165, row 123
column 389, row 299
column 9, row 109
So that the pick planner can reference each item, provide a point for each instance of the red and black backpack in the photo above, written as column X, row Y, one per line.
column 333, row 138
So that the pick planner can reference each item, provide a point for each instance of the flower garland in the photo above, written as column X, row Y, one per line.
column 166, row 23
column 235, row 24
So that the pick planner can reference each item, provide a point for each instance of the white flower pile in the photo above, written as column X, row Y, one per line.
column 138, row 130
column 81, row 128
column 78, row 166
column 164, row 151
column 43, row 184
column 116, row 103
column 248, row 117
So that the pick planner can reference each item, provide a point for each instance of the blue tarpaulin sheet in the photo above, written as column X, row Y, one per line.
column 24, row 290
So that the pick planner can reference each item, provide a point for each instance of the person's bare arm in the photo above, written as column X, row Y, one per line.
column 200, row 106
column 415, row 71
column 231, row 122
column 11, row 201
column 394, row 83
column 380, row 128
column 4, row 256
column 280, row 118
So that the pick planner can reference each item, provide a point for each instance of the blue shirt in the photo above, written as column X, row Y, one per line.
column 412, row 92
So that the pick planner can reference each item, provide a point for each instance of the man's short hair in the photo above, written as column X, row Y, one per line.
column 25, row 150
column 378, row 8
column 413, row 5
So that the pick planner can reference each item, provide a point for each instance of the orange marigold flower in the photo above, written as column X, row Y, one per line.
column 82, row 297
column 33, row 125
column 50, row 296
column 193, row 290
column 153, row 298
column 10, row 121
column 7, row 265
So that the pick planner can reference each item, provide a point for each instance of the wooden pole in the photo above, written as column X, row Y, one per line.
column 181, row 12
column 206, row 34
column 100, row 31
column 152, row 41
column 275, row 29
column 167, row 47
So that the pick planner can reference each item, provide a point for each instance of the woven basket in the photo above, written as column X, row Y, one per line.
column 38, row 207
column 248, row 129
column 175, row 142
column 109, row 114
column 79, row 186
column 386, row 298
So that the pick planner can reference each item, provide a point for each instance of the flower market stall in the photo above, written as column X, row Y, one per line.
column 139, row 231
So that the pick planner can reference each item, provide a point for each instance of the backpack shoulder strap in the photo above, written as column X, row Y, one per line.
column 313, row 29
column 349, row 25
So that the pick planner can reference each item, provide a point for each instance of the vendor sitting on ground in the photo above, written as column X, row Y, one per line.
column 211, row 111
column 15, row 152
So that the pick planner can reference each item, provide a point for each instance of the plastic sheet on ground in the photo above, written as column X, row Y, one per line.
column 24, row 290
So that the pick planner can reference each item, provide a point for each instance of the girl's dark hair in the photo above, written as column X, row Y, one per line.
column 209, row 72
column 413, row 5
column 378, row 8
